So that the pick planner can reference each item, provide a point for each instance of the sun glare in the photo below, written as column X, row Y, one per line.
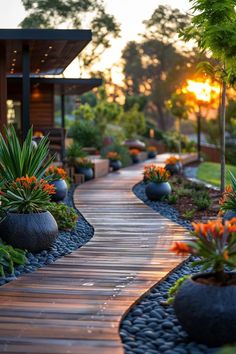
column 203, row 91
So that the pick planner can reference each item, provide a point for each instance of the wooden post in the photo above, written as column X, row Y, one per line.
column 3, row 87
column 25, row 91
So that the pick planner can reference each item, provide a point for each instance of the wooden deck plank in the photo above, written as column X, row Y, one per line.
column 75, row 304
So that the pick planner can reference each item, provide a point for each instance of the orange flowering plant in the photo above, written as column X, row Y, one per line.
column 113, row 155
column 228, row 200
column 154, row 173
column 214, row 243
column 151, row 149
column 26, row 195
column 134, row 152
column 54, row 172
column 172, row 160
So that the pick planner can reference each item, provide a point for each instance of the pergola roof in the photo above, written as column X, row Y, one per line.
column 51, row 51
column 62, row 86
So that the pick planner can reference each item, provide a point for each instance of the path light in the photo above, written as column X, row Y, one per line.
column 205, row 92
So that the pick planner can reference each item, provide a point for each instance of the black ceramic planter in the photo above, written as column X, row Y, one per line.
column 207, row 312
column 61, row 190
column 87, row 172
column 34, row 231
column 230, row 214
column 135, row 159
column 151, row 154
column 174, row 169
column 115, row 164
column 156, row 191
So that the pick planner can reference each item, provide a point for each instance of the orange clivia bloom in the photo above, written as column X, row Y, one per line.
column 56, row 172
column 152, row 148
column 134, row 152
column 113, row 155
column 181, row 248
column 212, row 228
column 155, row 173
column 172, row 160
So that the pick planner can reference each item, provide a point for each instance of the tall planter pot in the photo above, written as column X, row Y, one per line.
column 207, row 312
column 34, row 232
column 151, row 154
column 135, row 159
column 156, row 191
column 87, row 172
column 61, row 190
column 115, row 164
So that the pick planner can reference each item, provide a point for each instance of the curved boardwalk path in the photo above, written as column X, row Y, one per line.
column 75, row 305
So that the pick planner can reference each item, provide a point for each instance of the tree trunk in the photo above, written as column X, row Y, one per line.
column 161, row 118
column 180, row 136
column 222, row 126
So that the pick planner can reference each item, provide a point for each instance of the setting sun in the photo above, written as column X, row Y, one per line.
column 203, row 91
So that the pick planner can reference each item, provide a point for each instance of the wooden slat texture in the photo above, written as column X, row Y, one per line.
column 75, row 304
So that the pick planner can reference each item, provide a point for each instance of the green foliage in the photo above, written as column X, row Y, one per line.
column 18, row 160
column 140, row 100
column 26, row 195
column 175, row 288
column 86, row 134
column 75, row 14
column 84, row 162
column 121, row 150
column 73, row 152
column 210, row 172
column 202, row 203
column 189, row 214
column 227, row 350
column 172, row 198
column 184, row 192
column 133, row 122
column 65, row 216
column 171, row 140
column 9, row 257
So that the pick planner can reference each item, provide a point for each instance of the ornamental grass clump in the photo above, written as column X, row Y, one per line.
column 54, row 173
column 156, row 174
column 26, row 195
column 228, row 200
column 215, row 244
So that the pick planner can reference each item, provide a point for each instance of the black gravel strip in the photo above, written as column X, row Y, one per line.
column 151, row 327
column 66, row 242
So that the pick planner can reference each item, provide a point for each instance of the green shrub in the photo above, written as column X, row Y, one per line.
column 9, row 257
column 202, row 203
column 121, row 150
column 172, row 198
column 183, row 192
column 65, row 216
column 189, row 214
column 86, row 134
column 73, row 152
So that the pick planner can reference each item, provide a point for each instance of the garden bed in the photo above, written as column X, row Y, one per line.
column 151, row 326
column 66, row 242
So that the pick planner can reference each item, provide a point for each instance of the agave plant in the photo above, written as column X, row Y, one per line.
column 18, row 160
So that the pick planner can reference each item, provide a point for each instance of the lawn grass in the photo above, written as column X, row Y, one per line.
column 210, row 173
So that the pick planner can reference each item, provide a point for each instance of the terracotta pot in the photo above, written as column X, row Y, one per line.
column 61, row 190
column 34, row 231
column 207, row 312
column 156, row 191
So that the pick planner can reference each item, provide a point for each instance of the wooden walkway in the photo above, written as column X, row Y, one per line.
column 75, row 305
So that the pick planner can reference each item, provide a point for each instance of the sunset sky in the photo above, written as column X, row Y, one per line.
column 129, row 13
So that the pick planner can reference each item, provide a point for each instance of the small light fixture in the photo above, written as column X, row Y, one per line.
column 14, row 59
column 14, row 51
column 50, row 47
column 42, row 61
column 46, row 54
column 13, row 64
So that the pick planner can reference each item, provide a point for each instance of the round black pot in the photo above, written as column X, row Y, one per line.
column 86, row 171
column 230, row 214
column 173, row 168
column 34, row 231
column 156, row 191
column 151, row 154
column 135, row 159
column 115, row 164
column 61, row 190
column 207, row 312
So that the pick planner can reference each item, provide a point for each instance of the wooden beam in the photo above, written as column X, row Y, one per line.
column 3, row 87
column 25, row 90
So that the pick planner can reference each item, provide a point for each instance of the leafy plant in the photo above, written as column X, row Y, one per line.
column 154, row 173
column 54, row 173
column 65, row 216
column 26, row 195
column 73, row 152
column 17, row 161
column 172, row 198
column 9, row 257
column 121, row 150
column 184, row 192
column 202, row 203
column 215, row 244
column 189, row 214
column 84, row 162
column 228, row 201
column 175, row 288
column 86, row 133
column 113, row 156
